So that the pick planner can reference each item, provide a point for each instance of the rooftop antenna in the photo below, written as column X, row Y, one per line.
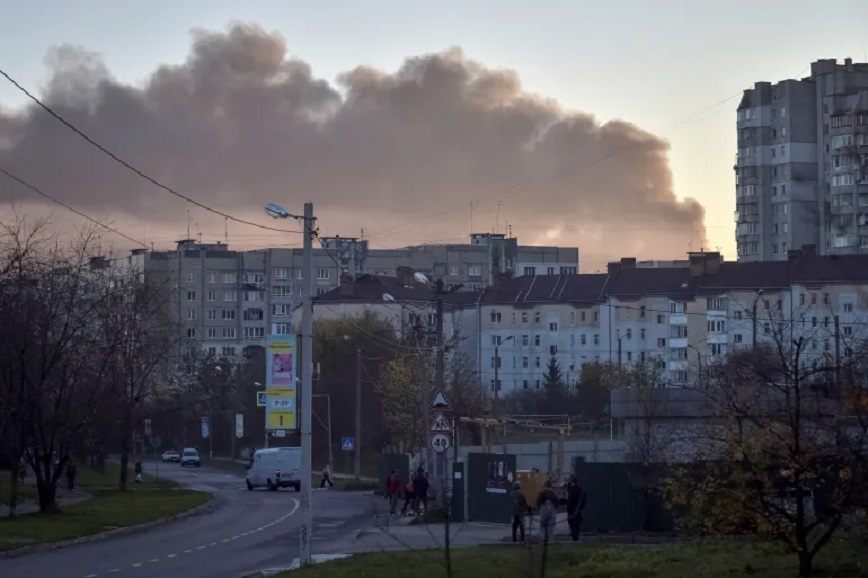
column 472, row 206
column 198, row 234
column 497, row 218
column 188, row 223
column 362, row 234
column 226, row 230
column 509, row 230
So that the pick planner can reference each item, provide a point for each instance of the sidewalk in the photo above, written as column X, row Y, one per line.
column 64, row 498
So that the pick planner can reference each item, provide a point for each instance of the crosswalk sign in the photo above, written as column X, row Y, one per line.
column 348, row 444
column 261, row 399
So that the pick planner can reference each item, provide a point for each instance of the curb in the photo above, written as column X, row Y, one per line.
column 205, row 508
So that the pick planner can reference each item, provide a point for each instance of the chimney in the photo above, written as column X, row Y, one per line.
column 848, row 63
column 628, row 262
column 703, row 263
column 614, row 267
column 405, row 276
column 809, row 250
column 347, row 285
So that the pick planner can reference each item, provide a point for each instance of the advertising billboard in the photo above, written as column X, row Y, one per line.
column 281, row 386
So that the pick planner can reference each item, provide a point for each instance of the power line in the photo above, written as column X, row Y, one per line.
column 68, row 208
column 141, row 174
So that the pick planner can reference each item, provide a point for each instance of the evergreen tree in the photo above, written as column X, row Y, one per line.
column 553, row 379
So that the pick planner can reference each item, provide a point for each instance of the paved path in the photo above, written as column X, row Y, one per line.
column 64, row 498
column 247, row 531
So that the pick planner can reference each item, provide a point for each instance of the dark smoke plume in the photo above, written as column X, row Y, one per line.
column 402, row 155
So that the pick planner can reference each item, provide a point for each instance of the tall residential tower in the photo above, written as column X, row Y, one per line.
column 802, row 164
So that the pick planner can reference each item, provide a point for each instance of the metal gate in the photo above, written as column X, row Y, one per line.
column 489, row 483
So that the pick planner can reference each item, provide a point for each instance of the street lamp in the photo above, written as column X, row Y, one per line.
column 497, row 345
column 306, row 369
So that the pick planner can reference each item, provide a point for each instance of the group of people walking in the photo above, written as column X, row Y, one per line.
column 547, row 505
column 414, row 492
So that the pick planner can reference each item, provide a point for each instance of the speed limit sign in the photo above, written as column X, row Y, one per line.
column 440, row 443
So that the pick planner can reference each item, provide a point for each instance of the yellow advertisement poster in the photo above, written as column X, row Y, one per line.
column 281, row 408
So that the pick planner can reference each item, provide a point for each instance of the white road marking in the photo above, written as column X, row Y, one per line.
column 187, row 551
column 200, row 547
column 155, row 560
column 171, row 555
column 90, row 576
column 137, row 565
column 212, row 544
column 115, row 570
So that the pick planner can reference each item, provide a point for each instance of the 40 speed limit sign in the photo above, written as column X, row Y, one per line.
column 440, row 442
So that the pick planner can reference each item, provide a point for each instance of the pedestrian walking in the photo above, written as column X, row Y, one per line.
column 577, row 499
column 71, row 473
column 519, row 510
column 547, row 503
column 420, row 491
column 393, row 492
column 409, row 497
column 326, row 476
column 138, row 471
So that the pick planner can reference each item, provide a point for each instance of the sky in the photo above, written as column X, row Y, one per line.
column 673, row 68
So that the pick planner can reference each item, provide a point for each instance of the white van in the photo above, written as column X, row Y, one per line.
column 275, row 468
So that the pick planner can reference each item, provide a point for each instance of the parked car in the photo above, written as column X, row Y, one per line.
column 171, row 456
column 190, row 457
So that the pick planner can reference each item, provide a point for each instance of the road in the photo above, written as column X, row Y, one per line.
column 246, row 531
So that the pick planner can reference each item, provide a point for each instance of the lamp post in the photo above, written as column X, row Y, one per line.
column 306, row 369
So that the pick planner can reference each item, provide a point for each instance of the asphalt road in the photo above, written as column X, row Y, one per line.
column 247, row 531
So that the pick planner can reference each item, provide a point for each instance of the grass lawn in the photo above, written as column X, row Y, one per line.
column 25, row 492
column 590, row 560
column 108, row 509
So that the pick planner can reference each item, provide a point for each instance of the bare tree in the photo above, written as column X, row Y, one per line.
column 788, row 450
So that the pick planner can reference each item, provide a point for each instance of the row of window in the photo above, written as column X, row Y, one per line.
column 278, row 291
column 278, row 273
column 277, row 310
column 229, row 332
column 531, row 271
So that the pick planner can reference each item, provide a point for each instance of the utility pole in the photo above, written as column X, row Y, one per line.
column 440, row 379
column 496, row 375
column 306, row 385
column 837, row 353
column 357, row 466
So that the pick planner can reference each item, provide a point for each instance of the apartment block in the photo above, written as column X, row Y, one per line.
column 802, row 164
column 680, row 317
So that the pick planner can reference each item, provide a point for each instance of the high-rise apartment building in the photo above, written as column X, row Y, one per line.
column 802, row 164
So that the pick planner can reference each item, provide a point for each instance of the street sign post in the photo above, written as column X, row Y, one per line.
column 440, row 442
column 281, row 408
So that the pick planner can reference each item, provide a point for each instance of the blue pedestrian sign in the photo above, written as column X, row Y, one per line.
column 348, row 444
column 261, row 399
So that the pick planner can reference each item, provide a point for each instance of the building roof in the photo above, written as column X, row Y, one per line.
column 546, row 289
column 372, row 288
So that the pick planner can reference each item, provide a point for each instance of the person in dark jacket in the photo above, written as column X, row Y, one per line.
column 409, row 496
column 547, row 504
column 393, row 491
column 519, row 510
column 577, row 499
column 420, row 491
column 71, row 473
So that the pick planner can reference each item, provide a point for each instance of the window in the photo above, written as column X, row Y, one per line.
column 228, row 351
column 279, row 273
column 629, row 356
column 453, row 270
column 191, row 332
column 228, row 314
column 530, row 271
column 191, row 314
column 642, row 334
column 322, row 290
column 212, row 333
column 553, row 349
column 717, row 303
column 281, row 291
column 716, row 326
column 737, row 338
column 568, row 270
column 536, row 340
column 230, row 277
column 254, row 332
column 228, row 333
column 783, row 131
column 596, row 339
column 474, row 270
column 254, row 278
column 536, row 362
column 661, row 342
column 255, row 295
column 280, row 329
column 495, row 385
column 191, row 277
column 496, row 362
column 679, row 354
column 524, row 316
column 279, row 309
column 553, row 326
column 583, row 339
column 537, row 384
column 495, row 316
column 848, row 330
column 536, row 317
column 191, row 295
column 642, row 312
column 322, row 274
column 525, row 340
column 253, row 315
column 678, row 331
column 572, row 316
column 211, row 350
column 847, row 307
column 550, row 270
column 212, row 296
column 572, row 340
column 230, row 296
column 212, row 277
column 212, row 314
column 583, row 316
column 496, row 340
column 525, row 362
column 524, row 384
column 661, row 319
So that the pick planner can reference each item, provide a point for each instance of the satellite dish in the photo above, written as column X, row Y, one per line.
column 387, row 297
column 420, row 277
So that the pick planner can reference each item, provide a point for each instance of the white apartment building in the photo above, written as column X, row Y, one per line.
column 680, row 316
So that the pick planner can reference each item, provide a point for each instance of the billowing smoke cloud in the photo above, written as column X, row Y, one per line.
column 402, row 155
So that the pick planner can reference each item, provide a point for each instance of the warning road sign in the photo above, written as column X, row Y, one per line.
column 440, row 402
column 440, row 424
